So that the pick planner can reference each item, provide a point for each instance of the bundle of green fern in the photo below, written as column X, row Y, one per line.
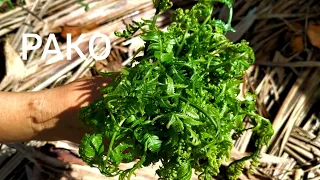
column 179, row 104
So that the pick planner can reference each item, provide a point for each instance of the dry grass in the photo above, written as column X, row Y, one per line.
column 285, row 36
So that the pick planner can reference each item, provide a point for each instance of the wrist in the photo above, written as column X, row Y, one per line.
column 41, row 108
column 56, row 113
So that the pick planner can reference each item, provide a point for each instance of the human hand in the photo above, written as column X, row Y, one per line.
column 57, row 110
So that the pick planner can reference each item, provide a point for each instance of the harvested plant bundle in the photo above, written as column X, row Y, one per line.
column 179, row 104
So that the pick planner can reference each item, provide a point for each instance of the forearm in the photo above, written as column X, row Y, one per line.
column 47, row 115
column 16, row 116
column 31, row 115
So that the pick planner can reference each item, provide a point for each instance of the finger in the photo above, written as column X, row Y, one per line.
column 100, row 81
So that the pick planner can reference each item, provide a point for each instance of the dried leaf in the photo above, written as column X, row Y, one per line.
column 297, row 44
column 314, row 34
column 14, row 64
column 15, row 68
column 76, row 31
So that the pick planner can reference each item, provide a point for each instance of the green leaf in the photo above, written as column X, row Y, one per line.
column 91, row 146
column 151, row 36
column 152, row 142
column 162, row 5
column 193, row 137
column 130, row 30
column 117, row 154
column 167, row 57
column 170, row 86
column 189, row 121
column 175, row 122
column 185, row 171
column 85, row 5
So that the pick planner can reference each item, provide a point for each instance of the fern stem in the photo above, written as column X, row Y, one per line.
column 183, row 42
column 230, row 16
column 154, row 21
column 113, row 136
column 202, row 111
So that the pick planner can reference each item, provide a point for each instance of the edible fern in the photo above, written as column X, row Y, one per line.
column 179, row 104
